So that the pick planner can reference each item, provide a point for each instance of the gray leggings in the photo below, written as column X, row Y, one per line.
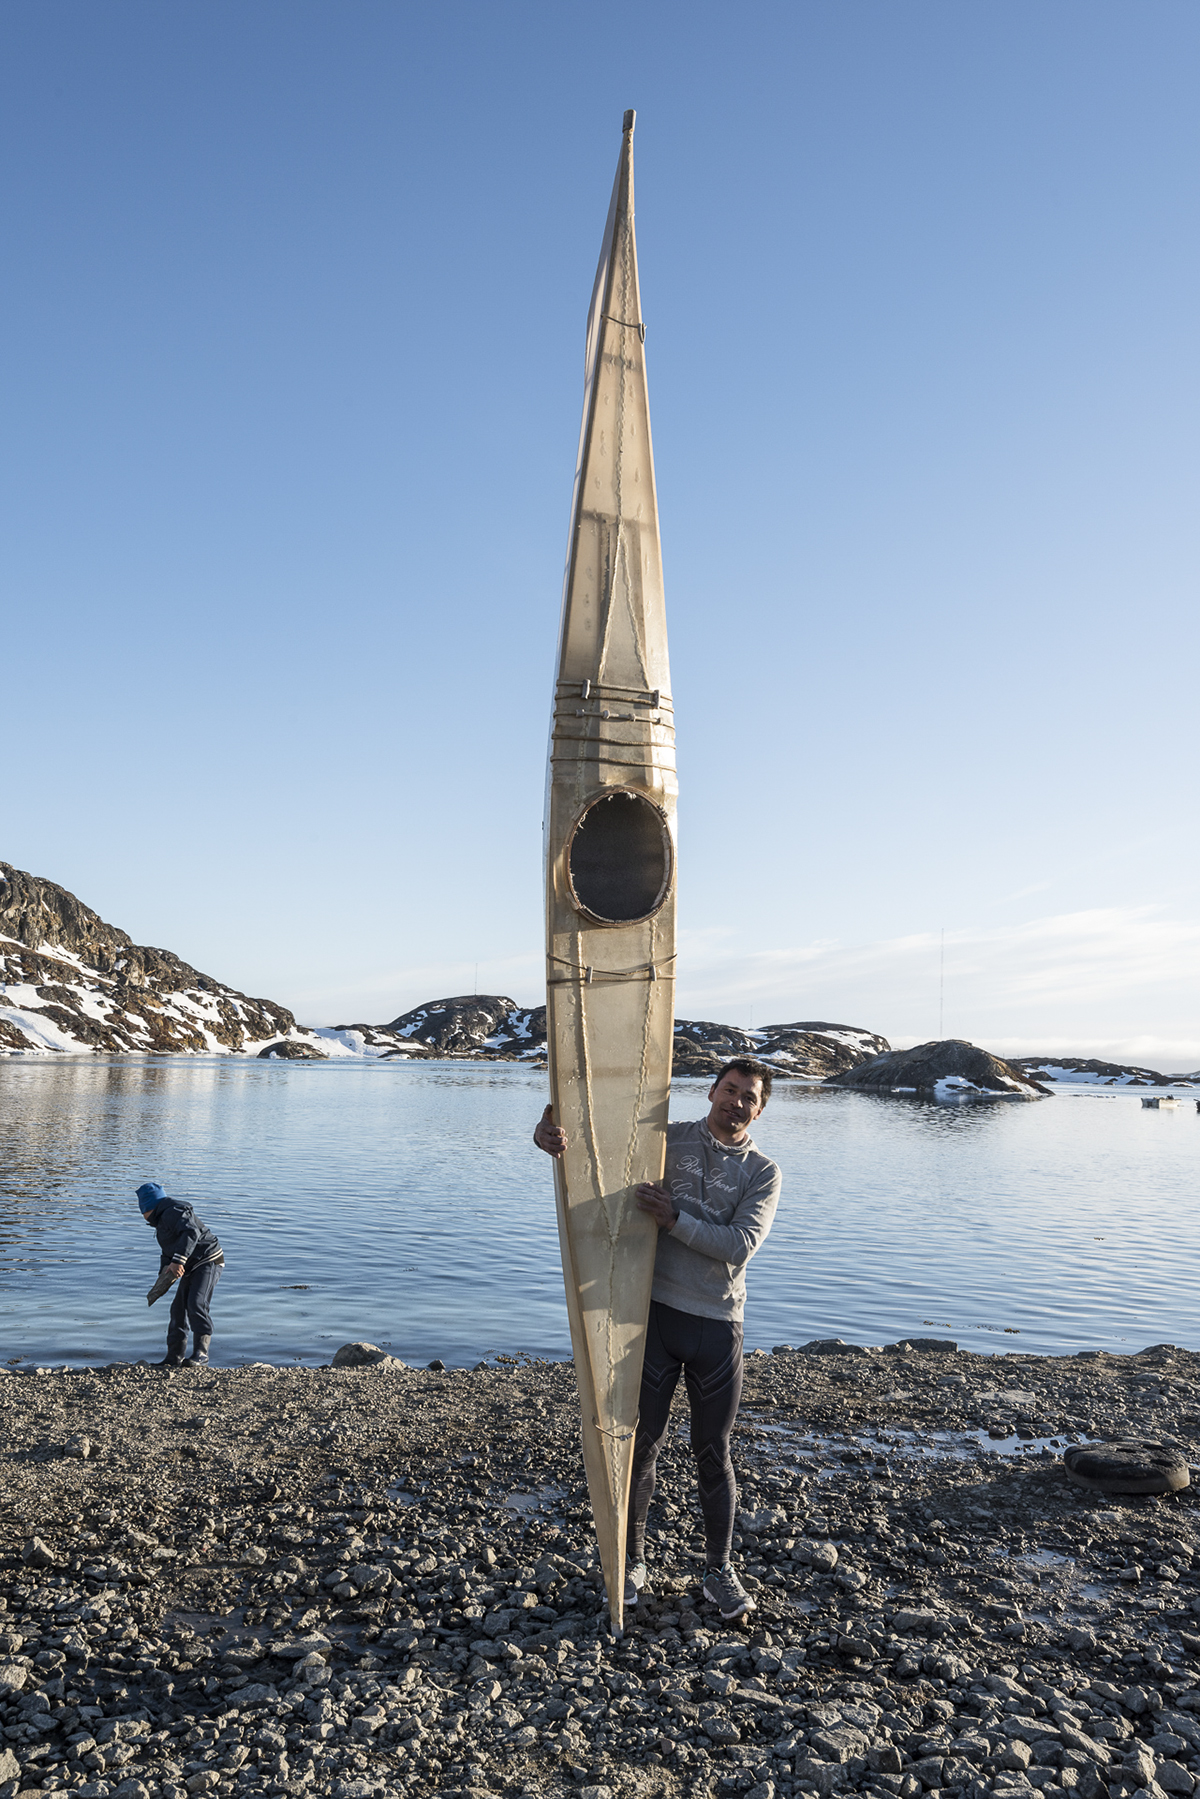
column 708, row 1353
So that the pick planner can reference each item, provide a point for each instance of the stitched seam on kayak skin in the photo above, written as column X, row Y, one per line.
column 630, row 563
column 647, row 1013
column 614, row 1447
column 626, row 269
column 611, row 553
column 585, row 1070
column 619, row 547
column 612, row 538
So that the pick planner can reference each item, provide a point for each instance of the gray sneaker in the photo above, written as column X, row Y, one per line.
column 723, row 1589
column 635, row 1584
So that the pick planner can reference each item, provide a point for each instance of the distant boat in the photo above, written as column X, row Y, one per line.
column 1163, row 1099
column 610, row 884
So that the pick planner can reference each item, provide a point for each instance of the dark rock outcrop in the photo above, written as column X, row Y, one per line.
column 949, row 1069
column 721, row 1041
column 292, row 1050
column 68, row 979
column 817, row 1050
column 689, row 1057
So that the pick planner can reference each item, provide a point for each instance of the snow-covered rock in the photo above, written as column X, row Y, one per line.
column 475, row 1024
column 811, row 1051
column 948, row 1070
column 1080, row 1072
column 367, row 1040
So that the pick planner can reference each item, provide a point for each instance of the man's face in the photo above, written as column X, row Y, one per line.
column 736, row 1100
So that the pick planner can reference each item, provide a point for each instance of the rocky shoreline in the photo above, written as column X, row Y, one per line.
column 379, row 1580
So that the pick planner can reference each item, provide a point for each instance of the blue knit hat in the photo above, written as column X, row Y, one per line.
column 150, row 1194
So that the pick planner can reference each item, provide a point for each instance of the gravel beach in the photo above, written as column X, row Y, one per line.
column 375, row 1580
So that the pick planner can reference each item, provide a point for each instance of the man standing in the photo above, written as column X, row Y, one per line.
column 713, row 1211
column 192, row 1256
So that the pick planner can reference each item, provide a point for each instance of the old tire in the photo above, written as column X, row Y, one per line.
column 1132, row 1465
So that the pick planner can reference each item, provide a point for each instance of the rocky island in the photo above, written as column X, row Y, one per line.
column 1087, row 1071
column 949, row 1069
column 375, row 1580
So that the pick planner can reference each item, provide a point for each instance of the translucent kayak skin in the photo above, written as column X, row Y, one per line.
column 610, row 883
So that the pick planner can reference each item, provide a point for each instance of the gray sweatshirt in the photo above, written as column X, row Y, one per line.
column 726, row 1195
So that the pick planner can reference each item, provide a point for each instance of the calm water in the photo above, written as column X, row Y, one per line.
column 407, row 1205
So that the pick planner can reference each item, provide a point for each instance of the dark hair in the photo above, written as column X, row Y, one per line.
column 749, row 1067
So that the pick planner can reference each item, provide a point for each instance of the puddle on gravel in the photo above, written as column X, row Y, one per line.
column 224, row 1629
column 977, row 1445
column 231, row 1625
column 825, row 1456
column 546, row 1499
column 200, row 1621
column 839, row 1453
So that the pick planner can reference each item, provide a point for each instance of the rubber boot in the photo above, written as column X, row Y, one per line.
column 176, row 1344
column 199, row 1355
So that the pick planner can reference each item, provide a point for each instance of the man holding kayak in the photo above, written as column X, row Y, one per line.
column 713, row 1211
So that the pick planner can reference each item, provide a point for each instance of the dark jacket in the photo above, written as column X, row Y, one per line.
column 182, row 1236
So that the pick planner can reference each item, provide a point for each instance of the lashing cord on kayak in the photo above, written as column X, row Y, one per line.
column 618, row 1436
column 638, row 325
column 655, row 971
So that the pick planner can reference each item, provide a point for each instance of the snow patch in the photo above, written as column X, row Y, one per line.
column 954, row 1086
column 44, row 1035
column 20, row 993
column 56, row 953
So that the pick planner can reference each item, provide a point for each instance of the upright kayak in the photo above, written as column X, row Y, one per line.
column 610, row 882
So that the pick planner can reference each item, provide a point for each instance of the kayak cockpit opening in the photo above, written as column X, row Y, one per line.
column 619, row 860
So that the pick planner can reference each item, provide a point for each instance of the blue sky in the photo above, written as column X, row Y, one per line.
column 292, row 372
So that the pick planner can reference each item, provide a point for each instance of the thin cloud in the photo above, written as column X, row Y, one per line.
column 1097, row 982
